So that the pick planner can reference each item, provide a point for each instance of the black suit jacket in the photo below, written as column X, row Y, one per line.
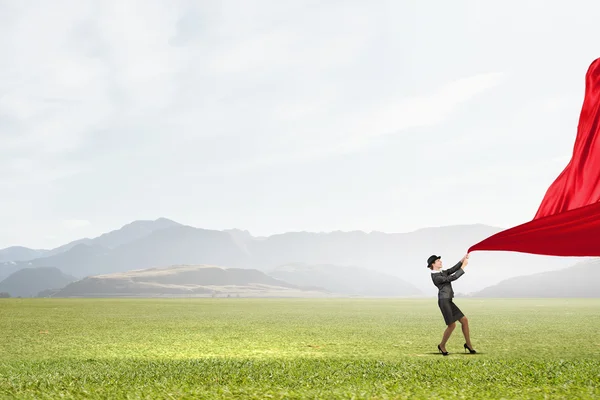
column 442, row 280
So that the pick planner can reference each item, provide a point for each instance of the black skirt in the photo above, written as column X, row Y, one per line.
column 450, row 311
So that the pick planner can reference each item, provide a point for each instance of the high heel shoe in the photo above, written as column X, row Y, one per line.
column 472, row 351
column 445, row 353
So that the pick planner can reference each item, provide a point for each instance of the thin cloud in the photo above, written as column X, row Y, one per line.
column 131, row 104
column 356, row 132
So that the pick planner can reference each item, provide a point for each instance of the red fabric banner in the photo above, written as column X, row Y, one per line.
column 567, row 222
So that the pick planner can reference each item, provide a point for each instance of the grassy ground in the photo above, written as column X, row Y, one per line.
column 269, row 348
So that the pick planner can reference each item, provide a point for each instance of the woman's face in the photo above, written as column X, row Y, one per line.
column 437, row 264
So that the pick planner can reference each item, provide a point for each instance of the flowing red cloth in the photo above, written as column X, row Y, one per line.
column 567, row 222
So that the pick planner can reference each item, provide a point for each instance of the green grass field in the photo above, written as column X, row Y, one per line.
column 296, row 348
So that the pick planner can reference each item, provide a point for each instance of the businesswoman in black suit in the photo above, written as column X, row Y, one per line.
column 442, row 280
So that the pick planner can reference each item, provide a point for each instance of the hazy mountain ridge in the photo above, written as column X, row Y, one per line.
column 76, row 261
column 146, row 244
column 125, row 234
column 28, row 282
column 171, row 244
column 185, row 280
column 345, row 280
column 19, row 253
column 580, row 280
column 403, row 254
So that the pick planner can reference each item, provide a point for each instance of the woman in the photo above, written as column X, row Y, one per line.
column 442, row 280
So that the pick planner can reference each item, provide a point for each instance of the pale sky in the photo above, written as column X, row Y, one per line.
column 277, row 116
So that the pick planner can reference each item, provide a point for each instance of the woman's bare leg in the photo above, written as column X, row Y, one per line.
column 447, row 334
column 465, row 329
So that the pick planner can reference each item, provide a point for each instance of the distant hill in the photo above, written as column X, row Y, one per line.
column 15, row 258
column 345, row 280
column 126, row 234
column 402, row 255
column 185, row 280
column 77, row 260
column 580, row 280
column 146, row 244
column 28, row 282
column 170, row 246
column 19, row 253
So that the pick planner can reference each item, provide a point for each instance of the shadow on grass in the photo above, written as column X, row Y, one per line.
column 437, row 353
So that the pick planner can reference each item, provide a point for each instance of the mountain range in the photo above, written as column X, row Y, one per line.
column 163, row 242
column 352, row 281
column 19, row 253
column 580, row 280
column 28, row 282
column 186, row 280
